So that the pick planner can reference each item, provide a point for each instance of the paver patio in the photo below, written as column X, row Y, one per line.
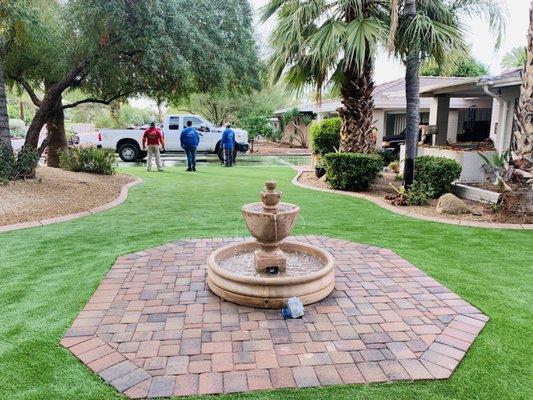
column 153, row 328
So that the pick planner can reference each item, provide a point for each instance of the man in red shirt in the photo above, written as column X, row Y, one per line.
column 153, row 138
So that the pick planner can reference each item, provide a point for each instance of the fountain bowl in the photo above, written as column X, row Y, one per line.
column 270, row 291
column 268, row 227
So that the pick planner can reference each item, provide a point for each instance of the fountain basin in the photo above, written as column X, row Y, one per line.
column 269, row 227
column 270, row 291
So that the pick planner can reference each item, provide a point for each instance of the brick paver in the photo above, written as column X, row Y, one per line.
column 153, row 328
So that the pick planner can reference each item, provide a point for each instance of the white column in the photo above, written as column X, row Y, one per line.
column 453, row 124
column 379, row 123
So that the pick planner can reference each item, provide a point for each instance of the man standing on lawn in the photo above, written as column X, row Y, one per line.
column 189, row 142
column 228, row 143
column 152, row 139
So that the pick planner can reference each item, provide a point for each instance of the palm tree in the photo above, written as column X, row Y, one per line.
column 432, row 28
column 523, row 133
column 514, row 58
column 330, row 43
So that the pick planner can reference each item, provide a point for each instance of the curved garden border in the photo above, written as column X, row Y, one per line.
column 32, row 224
column 397, row 210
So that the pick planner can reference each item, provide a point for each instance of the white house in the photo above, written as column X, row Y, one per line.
column 460, row 111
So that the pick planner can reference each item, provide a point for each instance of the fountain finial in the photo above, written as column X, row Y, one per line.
column 271, row 197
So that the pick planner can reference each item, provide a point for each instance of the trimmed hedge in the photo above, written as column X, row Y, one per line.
column 352, row 171
column 325, row 136
column 88, row 159
column 437, row 173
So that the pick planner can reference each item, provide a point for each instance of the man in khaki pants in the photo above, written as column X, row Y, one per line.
column 153, row 138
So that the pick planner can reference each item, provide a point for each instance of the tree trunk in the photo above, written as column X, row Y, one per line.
column 357, row 112
column 523, row 133
column 21, row 109
column 5, row 136
column 412, row 94
column 57, row 139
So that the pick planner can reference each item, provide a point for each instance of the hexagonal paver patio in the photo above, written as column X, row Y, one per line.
column 153, row 328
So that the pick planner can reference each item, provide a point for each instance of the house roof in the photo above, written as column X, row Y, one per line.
column 475, row 86
column 389, row 95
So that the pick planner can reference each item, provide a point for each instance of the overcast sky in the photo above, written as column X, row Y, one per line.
column 479, row 37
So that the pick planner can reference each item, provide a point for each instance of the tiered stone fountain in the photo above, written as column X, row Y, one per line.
column 267, row 271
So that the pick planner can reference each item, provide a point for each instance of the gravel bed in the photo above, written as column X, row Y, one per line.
column 480, row 212
column 55, row 193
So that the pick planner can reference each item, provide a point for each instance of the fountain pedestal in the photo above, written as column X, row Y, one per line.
column 270, row 258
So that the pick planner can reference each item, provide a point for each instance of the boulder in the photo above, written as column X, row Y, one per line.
column 451, row 204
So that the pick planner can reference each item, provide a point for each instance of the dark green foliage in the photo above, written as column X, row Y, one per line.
column 7, row 164
column 437, row 173
column 325, row 136
column 352, row 171
column 19, row 165
column 88, row 159
column 388, row 156
column 418, row 194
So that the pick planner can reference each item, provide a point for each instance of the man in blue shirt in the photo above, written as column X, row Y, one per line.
column 189, row 142
column 228, row 143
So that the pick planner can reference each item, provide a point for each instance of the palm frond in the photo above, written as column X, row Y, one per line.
column 494, row 11
column 362, row 37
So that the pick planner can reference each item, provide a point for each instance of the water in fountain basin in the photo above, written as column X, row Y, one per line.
column 298, row 263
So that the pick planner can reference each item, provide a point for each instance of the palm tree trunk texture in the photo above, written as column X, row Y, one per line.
column 57, row 139
column 523, row 134
column 412, row 94
column 5, row 137
column 357, row 111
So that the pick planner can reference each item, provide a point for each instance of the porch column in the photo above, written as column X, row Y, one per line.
column 438, row 116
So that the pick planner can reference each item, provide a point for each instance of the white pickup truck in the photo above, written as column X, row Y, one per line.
column 128, row 142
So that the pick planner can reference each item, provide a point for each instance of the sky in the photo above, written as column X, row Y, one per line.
column 479, row 37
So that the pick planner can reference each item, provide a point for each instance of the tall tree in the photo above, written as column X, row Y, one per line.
column 514, row 58
column 112, row 49
column 319, row 42
column 432, row 28
column 5, row 136
column 457, row 63
column 523, row 133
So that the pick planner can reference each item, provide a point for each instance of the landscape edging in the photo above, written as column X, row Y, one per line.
column 123, row 195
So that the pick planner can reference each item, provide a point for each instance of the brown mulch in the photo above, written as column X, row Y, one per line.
column 481, row 212
column 278, row 148
column 55, row 193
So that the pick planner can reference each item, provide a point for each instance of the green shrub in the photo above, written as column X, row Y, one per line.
column 20, row 164
column 325, row 136
column 275, row 135
column 88, row 159
column 437, row 173
column 26, row 163
column 352, row 171
column 418, row 194
column 7, row 164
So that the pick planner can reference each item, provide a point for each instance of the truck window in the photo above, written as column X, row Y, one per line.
column 174, row 123
column 196, row 122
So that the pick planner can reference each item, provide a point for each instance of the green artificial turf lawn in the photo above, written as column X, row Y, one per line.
column 48, row 274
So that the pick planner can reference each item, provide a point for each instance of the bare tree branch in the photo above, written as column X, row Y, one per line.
column 93, row 100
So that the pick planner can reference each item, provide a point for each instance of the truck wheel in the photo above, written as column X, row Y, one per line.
column 221, row 154
column 128, row 152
